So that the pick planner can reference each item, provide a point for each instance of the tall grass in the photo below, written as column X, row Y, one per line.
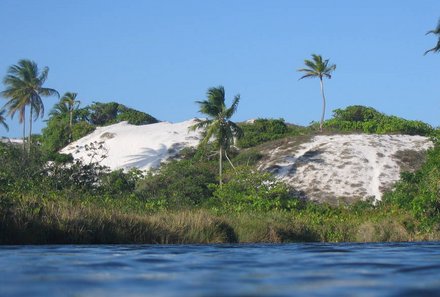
column 32, row 220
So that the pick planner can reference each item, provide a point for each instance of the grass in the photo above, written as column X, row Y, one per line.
column 31, row 220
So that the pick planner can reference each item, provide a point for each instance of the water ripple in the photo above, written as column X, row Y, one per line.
column 318, row 269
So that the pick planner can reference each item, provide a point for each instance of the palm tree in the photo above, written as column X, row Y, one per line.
column 69, row 100
column 218, row 123
column 318, row 68
column 24, row 86
column 436, row 31
column 3, row 120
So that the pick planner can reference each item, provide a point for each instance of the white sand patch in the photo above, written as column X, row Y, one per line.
column 126, row 146
column 12, row 140
column 353, row 166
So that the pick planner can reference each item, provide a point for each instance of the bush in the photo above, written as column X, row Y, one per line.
column 262, row 130
column 419, row 192
column 248, row 189
column 181, row 183
column 369, row 120
column 102, row 114
column 119, row 183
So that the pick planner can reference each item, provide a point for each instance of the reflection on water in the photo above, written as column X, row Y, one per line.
column 390, row 269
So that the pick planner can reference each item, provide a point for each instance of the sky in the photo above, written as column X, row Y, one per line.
column 161, row 56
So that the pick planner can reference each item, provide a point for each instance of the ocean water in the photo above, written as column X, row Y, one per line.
column 318, row 269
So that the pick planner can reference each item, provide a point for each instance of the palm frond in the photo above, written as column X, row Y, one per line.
column 231, row 110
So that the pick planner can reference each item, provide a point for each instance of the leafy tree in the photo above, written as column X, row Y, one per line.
column 218, row 124
column 101, row 114
column 3, row 120
column 318, row 68
column 24, row 86
column 436, row 31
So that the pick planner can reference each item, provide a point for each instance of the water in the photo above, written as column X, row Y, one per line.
column 396, row 269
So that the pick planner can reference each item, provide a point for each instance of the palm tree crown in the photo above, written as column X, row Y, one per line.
column 436, row 31
column 24, row 86
column 318, row 68
column 218, row 123
column 70, row 103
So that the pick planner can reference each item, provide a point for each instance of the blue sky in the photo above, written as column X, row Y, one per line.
column 161, row 56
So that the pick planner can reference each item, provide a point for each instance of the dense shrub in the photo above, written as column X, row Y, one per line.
column 181, row 183
column 120, row 183
column 262, row 130
column 102, row 114
column 419, row 192
column 369, row 120
column 248, row 189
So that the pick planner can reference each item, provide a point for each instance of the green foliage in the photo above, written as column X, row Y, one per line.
column 419, row 192
column 248, row 157
column 118, row 183
column 134, row 117
column 57, row 132
column 55, row 135
column 81, row 129
column 248, row 189
column 102, row 114
column 262, row 130
column 368, row 120
column 181, row 183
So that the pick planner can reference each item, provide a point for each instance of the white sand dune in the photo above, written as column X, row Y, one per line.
column 126, row 146
column 351, row 166
column 326, row 168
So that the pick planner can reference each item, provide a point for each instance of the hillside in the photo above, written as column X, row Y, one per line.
column 123, row 146
column 323, row 168
column 348, row 167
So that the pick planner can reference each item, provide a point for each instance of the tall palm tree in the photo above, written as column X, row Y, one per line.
column 3, row 120
column 218, row 123
column 436, row 31
column 318, row 68
column 69, row 100
column 24, row 86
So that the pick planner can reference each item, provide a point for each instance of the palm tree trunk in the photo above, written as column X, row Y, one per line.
column 24, row 131
column 220, row 165
column 30, row 129
column 323, row 103
column 70, row 126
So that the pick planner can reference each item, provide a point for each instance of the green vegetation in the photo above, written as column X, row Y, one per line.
column 218, row 125
column 24, row 87
column 358, row 118
column 182, row 203
column 68, row 122
column 318, row 68
column 46, row 197
column 262, row 130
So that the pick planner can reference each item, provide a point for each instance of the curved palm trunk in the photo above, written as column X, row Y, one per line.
column 220, row 166
column 323, row 103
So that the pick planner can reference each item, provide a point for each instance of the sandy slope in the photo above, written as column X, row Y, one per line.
column 325, row 168
column 126, row 146
column 345, row 166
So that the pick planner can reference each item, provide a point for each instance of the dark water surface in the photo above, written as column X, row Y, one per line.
column 385, row 269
